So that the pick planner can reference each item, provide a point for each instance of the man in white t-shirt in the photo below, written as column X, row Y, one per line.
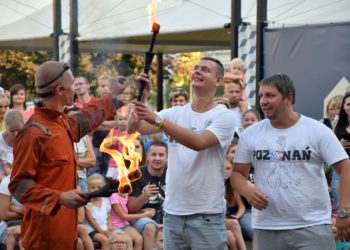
column 233, row 92
column 199, row 135
column 291, row 204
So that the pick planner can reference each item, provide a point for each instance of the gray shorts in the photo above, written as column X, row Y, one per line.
column 197, row 231
column 3, row 232
column 319, row 237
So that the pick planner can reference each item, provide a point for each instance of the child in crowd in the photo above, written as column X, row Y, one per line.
column 121, row 217
column 235, row 210
column 98, row 213
column 129, row 93
column 120, row 240
column 250, row 117
column 178, row 97
column 159, row 238
column 84, row 240
column 237, row 70
column 122, row 116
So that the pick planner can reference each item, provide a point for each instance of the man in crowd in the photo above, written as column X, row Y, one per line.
column 81, row 88
column 233, row 92
column 149, row 192
column 290, row 199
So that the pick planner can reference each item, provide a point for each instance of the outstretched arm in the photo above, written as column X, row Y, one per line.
column 144, row 121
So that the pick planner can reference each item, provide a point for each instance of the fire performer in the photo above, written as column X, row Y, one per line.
column 44, row 176
column 200, row 133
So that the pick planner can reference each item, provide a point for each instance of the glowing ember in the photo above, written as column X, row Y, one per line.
column 125, row 175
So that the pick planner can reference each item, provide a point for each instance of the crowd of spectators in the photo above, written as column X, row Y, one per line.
column 134, row 221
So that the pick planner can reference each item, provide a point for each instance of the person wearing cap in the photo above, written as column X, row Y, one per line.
column 44, row 170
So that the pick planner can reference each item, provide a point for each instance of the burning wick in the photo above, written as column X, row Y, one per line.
column 149, row 57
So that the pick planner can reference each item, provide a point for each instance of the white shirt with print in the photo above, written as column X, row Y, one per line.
column 289, row 169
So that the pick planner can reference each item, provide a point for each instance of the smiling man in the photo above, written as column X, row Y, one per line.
column 199, row 135
column 149, row 192
column 290, row 200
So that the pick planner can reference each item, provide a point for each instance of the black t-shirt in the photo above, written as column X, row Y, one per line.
column 155, row 201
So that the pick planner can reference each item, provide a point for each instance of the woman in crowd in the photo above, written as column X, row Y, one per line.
column 18, row 97
column 332, row 111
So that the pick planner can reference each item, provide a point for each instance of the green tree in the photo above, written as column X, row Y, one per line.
column 19, row 67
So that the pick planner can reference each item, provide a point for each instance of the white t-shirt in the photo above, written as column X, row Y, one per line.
column 81, row 149
column 289, row 169
column 6, row 151
column 194, row 180
column 4, row 189
column 100, row 214
column 238, row 118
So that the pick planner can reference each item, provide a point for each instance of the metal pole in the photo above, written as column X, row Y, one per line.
column 236, row 21
column 57, row 27
column 73, row 30
column 160, row 76
column 261, row 23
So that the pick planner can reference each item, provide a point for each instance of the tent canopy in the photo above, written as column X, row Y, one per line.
column 123, row 26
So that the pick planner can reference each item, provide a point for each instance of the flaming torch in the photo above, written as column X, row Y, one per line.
column 151, row 9
column 125, row 175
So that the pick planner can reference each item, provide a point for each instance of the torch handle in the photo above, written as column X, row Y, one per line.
column 105, row 191
column 148, row 60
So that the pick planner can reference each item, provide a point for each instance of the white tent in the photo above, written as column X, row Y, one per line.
column 122, row 25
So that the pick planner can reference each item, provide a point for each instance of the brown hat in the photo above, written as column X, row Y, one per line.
column 47, row 75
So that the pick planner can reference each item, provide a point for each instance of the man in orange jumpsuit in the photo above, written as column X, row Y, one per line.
column 44, row 175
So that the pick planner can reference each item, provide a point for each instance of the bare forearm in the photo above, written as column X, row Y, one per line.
column 344, row 188
column 130, row 217
column 86, row 162
column 10, row 215
column 188, row 138
column 135, row 204
column 239, row 183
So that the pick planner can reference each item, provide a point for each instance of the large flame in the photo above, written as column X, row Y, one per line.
column 125, row 175
column 152, row 10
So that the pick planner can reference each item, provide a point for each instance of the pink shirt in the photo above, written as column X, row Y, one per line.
column 118, row 222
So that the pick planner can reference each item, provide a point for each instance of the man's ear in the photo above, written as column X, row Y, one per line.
column 219, row 81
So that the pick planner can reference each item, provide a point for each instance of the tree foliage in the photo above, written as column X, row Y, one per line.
column 20, row 67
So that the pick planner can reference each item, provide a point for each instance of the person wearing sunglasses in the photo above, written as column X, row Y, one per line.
column 44, row 176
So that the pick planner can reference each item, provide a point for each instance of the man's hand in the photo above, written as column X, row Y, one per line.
column 150, row 190
column 144, row 113
column 72, row 199
column 256, row 198
column 343, row 229
column 117, row 86
column 143, row 80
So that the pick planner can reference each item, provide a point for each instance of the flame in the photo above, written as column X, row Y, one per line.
column 152, row 10
column 125, row 175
